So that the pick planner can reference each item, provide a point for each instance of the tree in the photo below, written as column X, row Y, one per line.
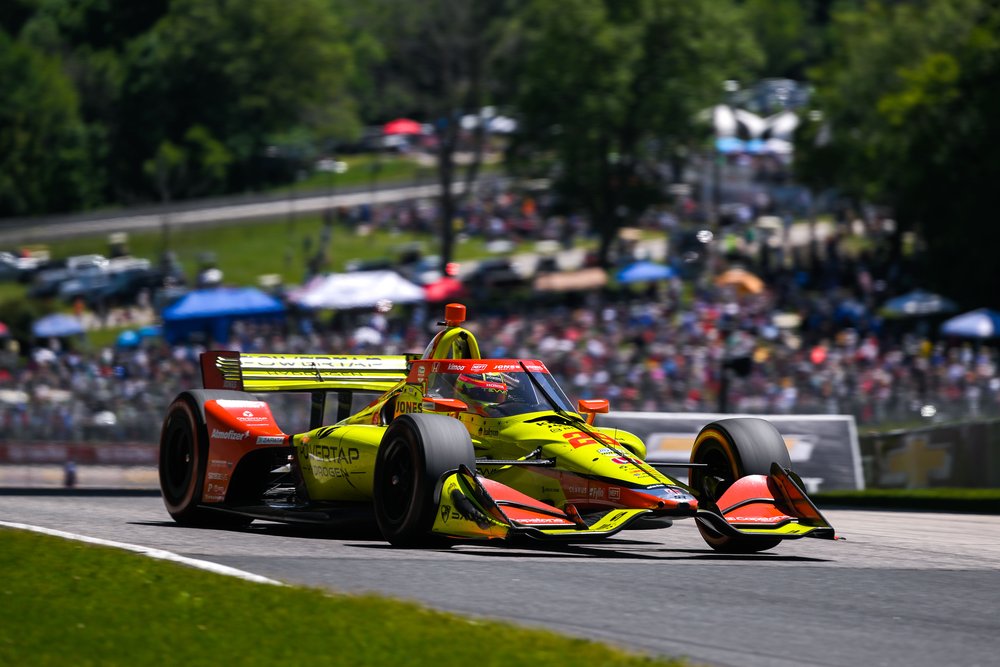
column 436, row 63
column 910, row 98
column 242, row 72
column 43, row 166
column 612, row 88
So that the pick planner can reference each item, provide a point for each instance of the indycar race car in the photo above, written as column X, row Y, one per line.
column 456, row 446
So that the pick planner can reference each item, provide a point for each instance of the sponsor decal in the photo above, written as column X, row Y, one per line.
column 270, row 439
column 324, row 362
column 757, row 519
column 448, row 513
column 614, row 493
column 435, row 367
column 220, row 462
column 456, row 367
column 331, row 453
column 230, row 435
column 540, row 520
column 476, row 368
column 596, row 492
column 421, row 371
column 553, row 427
column 220, row 476
column 406, row 407
column 236, row 405
column 332, row 472
column 489, row 432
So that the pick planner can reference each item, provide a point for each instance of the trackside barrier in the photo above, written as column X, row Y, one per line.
column 89, row 453
column 824, row 449
column 955, row 455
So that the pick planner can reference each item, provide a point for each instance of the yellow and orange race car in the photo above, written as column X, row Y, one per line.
column 451, row 445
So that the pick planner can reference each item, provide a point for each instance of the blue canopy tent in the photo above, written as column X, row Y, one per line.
column 644, row 272
column 57, row 325
column 981, row 324
column 210, row 312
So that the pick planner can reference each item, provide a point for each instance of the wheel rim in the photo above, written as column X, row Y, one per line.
column 178, row 460
column 718, row 475
column 398, row 481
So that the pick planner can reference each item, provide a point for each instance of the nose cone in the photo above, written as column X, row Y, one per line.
column 672, row 499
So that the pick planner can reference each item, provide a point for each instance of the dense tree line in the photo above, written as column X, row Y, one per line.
column 116, row 101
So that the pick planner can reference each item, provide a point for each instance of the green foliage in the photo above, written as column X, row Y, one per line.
column 230, row 72
column 614, row 87
column 790, row 34
column 196, row 166
column 18, row 313
column 911, row 98
column 42, row 155
column 73, row 603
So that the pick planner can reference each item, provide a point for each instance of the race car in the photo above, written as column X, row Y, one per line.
column 452, row 445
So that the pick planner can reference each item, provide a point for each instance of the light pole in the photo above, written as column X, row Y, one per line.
column 332, row 167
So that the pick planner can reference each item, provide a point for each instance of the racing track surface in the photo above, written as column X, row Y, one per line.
column 913, row 589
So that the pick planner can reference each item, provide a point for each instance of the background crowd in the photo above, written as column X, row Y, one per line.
column 814, row 340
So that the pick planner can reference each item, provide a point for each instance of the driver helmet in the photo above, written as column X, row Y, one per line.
column 482, row 388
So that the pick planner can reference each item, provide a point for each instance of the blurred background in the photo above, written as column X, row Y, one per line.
column 755, row 206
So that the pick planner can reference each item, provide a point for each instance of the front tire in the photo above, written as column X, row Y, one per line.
column 415, row 452
column 734, row 448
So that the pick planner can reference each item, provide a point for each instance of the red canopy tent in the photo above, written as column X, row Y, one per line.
column 444, row 289
column 402, row 126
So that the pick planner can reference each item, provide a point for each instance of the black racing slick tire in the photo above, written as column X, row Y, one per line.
column 415, row 452
column 183, row 459
column 731, row 449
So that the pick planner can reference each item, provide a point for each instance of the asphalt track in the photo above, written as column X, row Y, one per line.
column 913, row 589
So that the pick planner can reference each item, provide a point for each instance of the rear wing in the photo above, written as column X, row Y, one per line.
column 227, row 369
column 316, row 374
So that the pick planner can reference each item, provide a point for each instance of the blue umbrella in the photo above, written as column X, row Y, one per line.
column 127, row 338
column 916, row 304
column 57, row 325
column 644, row 272
column 150, row 331
column 982, row 323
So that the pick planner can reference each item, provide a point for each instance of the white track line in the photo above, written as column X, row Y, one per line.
column 148, row 551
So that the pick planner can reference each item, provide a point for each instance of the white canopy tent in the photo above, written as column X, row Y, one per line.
column 357, row 289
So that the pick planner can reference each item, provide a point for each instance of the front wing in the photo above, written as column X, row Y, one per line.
column 774, row 505
column 473, row 507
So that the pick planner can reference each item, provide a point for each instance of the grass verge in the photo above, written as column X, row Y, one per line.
column 980, row 501
column 71, row 603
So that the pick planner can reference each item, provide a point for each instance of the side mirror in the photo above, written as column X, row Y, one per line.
column 591, row 407
column 433, row 404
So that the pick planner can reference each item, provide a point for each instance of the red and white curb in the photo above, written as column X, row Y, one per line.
column 159, row 554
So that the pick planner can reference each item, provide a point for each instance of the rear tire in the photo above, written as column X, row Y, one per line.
column 415, row 452
column 734, row 448
column 182, row 462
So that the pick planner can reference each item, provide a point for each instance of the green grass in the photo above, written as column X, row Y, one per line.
column 67, row 603
column 985, row 501
column 365, row 170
